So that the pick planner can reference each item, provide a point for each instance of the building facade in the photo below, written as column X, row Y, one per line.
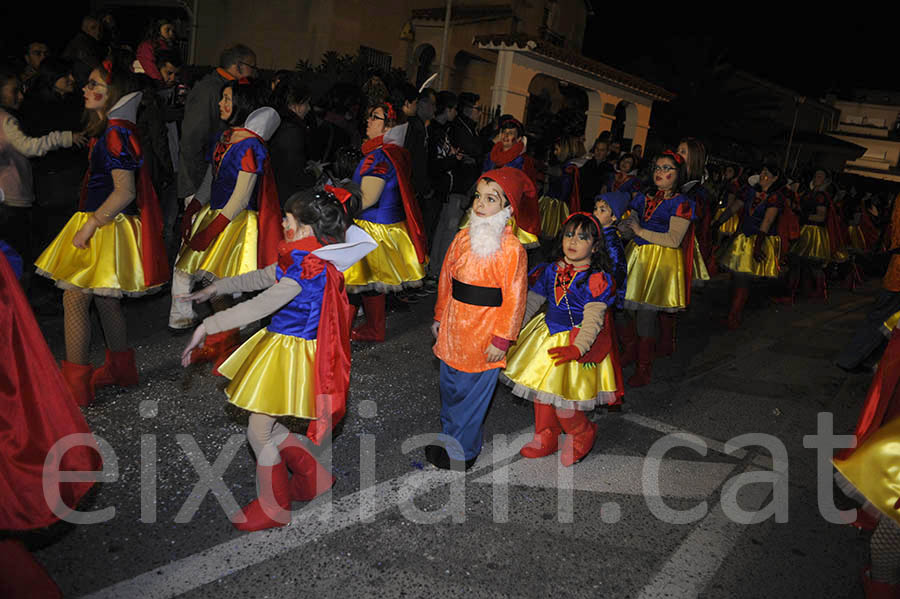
column 871, row 119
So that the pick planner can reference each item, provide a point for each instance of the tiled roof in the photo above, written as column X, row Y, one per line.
column 573, row 59
column 464, row 12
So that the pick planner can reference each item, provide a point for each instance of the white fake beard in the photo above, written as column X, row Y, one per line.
column 486, row 232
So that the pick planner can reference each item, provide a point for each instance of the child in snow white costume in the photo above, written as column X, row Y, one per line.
column 113, row 245
column 300, row 364
column 566, row 361
column 230, row 227
column 481, row 300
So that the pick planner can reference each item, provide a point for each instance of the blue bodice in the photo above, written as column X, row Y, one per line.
column 654, row 215
column 755, row 207
column 300, row 316
column 389, row 207
column 565, row 304
column 228, row 160
column 616, row 252
column 114, row 150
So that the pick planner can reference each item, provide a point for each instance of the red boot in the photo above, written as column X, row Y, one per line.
column 666, row 345
column 309, row 478
column 78, row 380
column 878, row 590
column 641, row 376
column 21, row 576
column 821, row 292
column 374, row 327
column 118, row 369
column 273, row 506
column 628, row 336
column 216, row 348
column 580, row 436
column 738, row 299
column 793, row 284
column 546, row 432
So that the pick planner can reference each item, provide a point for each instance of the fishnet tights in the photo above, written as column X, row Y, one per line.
column 77, row 323
column 885, row 549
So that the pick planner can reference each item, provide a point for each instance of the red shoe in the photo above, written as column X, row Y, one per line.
column 273, row 506
column 642, row 374
column 373, row 329
column 546, row 433
column 628, row 337
column 580, row 436
column 738, row 300
column 864, row 520
column 78, row 380
column 216, row 348
column 309, row 478
column 666, row 344
column 21, row 577
column 118, row 369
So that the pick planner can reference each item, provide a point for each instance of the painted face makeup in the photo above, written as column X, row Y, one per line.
column 96, row 91
column 375, row 125
column 664, row 173
column 489, row 199
column 225, row 105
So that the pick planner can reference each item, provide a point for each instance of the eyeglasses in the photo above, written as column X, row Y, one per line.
column 91, row 84
column 252, row 67
column 664, row 168
column 375, row 117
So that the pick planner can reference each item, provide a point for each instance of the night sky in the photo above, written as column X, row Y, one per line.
column 811, row 54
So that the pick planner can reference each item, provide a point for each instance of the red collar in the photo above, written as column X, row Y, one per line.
column 285, row 248
column 373, row 144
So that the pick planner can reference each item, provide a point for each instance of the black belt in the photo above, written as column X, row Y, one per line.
column 476, row 295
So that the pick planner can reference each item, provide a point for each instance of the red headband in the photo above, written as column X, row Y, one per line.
column 107, row 66
column 341, row 194
column 391, row 115
column 590, row 216
column 678, row 158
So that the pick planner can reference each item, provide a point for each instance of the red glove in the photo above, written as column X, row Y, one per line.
column 758, row 254
column 563, row 354
column 187, row 220
column 201, row 239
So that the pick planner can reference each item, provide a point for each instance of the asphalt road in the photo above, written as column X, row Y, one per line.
column 393, row 526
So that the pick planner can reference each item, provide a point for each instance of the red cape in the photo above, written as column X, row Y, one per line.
column 883, row 400
column 268, row 214
column 36, row 411
column 399, row 157
column 153, row 250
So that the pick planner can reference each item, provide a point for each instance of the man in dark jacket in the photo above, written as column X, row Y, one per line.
column 85, row 50
column 201, row 115
column 594, row 174
column 417, row 144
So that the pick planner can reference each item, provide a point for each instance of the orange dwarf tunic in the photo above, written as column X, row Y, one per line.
column 467, row 330
column 891, row 280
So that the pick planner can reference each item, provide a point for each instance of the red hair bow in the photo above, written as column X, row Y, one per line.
column 107, row 66
column 340, row 193
column 391, row 115
column 678, row 158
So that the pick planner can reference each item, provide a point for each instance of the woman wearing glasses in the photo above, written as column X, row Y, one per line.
column 660, row 260
column 113, row 245
column 231, row 226
column 392, row 217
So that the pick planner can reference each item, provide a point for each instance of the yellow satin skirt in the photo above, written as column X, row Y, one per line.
column 730, row 226
column 531, row 373
column 111, row 264
column 890, row 324
column 393, row 265
column 655, row 278
column 872, row 469
column 553, row 214
column 737, row 256
column 528, row 240
column 700, row 273
column 232, row 253
column 857, row 239
column 813, row 244
column 273, row 374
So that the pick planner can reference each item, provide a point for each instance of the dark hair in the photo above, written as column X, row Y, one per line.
column 7, row 73
column 52, row 69
column 624, row 156
column 508, row 121
column 404, row 92
column 235, row 54
column 388, row 121
column 245, row 98
column 289, row 91
column 467, row 100
column 696, row 159
column 773, row 168
column 324, row 212
column 153, row 32
column 428, row 93
column 600, row 260
column 680, row 169
column 445, row 101
column 168, row 56
column 503, row 191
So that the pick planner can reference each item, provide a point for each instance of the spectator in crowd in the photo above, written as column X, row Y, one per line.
column 201, row 115
column 594, row 174
column 85, row 50
column 417, row 144
column 159, row 37
column 407, row 98
column 288, row 145
column 464, row 137
column 35, row 53
column 615, row 148
column 52, row 104
column 442, row 157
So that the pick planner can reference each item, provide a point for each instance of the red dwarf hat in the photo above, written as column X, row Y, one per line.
column 522, row 196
